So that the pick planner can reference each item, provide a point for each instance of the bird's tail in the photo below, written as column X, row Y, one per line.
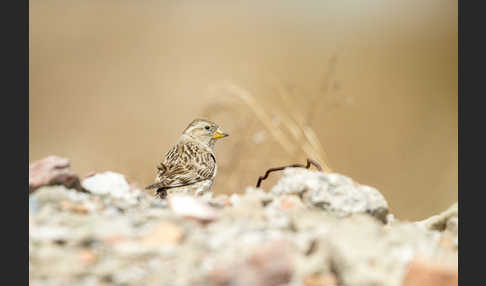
column 154, row 186
column 161, row 191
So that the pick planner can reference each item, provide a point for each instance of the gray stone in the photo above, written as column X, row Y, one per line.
column 332, row 192
column 288, row 236
column 363, row 252
column 446, row 220
column 33, row 205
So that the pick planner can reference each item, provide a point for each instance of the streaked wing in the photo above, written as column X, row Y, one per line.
column 186, row 163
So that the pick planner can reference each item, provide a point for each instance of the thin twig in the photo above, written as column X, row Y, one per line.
column 309, row 163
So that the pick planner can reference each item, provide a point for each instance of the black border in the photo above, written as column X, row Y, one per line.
column 15, row 139
column 471, row 51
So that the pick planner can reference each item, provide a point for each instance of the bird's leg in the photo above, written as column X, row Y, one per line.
column 161, row 193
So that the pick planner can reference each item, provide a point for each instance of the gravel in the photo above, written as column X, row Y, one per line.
column 310, row 229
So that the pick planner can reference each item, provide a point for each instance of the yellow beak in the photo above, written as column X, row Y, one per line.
column 219, row 134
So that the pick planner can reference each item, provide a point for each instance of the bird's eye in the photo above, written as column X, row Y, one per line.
column 207, row 127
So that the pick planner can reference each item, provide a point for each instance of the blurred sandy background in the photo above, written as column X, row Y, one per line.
column 370, row 87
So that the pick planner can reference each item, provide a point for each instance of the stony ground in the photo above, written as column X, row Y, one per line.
column 309, row 229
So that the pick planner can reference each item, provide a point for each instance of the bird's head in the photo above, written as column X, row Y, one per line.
column 204, row 131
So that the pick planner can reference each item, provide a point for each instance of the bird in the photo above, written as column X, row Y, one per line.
column 190, row 165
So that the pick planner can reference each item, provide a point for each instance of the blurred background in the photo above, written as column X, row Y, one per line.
column 367, row 88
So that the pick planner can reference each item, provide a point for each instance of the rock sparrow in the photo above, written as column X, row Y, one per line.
column 190, row 166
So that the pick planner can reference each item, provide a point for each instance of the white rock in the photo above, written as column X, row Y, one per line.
column 107, row 183
column 234, row 199
column 440, row 222
column 191, row 207
column 333, row 192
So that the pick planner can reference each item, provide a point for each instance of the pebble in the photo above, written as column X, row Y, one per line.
column 117, row 235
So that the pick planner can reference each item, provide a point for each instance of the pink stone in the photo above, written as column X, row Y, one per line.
column 271, row 264
column 193, row 208
column 427, row 273
column 52, row 170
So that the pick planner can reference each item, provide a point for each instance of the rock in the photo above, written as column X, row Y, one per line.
column 425, row 273
column 57, row 194
column 332, row 192
column 289, row 202
column 48, row 233
column 165, row 233
column 447, row 223
column 79, row 208
column 446, row 220
column 219, row 202
column 115, row 236
column 274, row 263
column 33, row 205
column 448, row 241
column 87, row 256
column 271, row 264
column 107, row 183
column 159, row 203
column 192, row 207
column 52, row 170
column 263, row 196
column 363, row 252
column 115, row 239
column 452, row 225
column 234, row 199
column 320, row 280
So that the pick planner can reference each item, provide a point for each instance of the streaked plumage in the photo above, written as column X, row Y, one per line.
column 190, row 165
